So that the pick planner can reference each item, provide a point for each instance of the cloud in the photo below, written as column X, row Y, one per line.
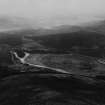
column 44, row 11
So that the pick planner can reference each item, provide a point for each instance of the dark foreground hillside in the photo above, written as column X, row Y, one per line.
column 51, row 89
column 26, row 85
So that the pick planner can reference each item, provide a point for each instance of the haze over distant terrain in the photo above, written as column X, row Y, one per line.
column 49, row 13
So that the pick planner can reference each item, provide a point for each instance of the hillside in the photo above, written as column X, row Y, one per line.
column 79, row 42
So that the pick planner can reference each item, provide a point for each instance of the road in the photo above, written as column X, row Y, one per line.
column 37, row 63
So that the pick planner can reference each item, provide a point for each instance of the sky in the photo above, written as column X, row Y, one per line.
column 54, row 11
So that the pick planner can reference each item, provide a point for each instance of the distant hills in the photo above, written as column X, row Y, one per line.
column 8, row 23
column 12, row 23
column 99, row 27
column 87, row 40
